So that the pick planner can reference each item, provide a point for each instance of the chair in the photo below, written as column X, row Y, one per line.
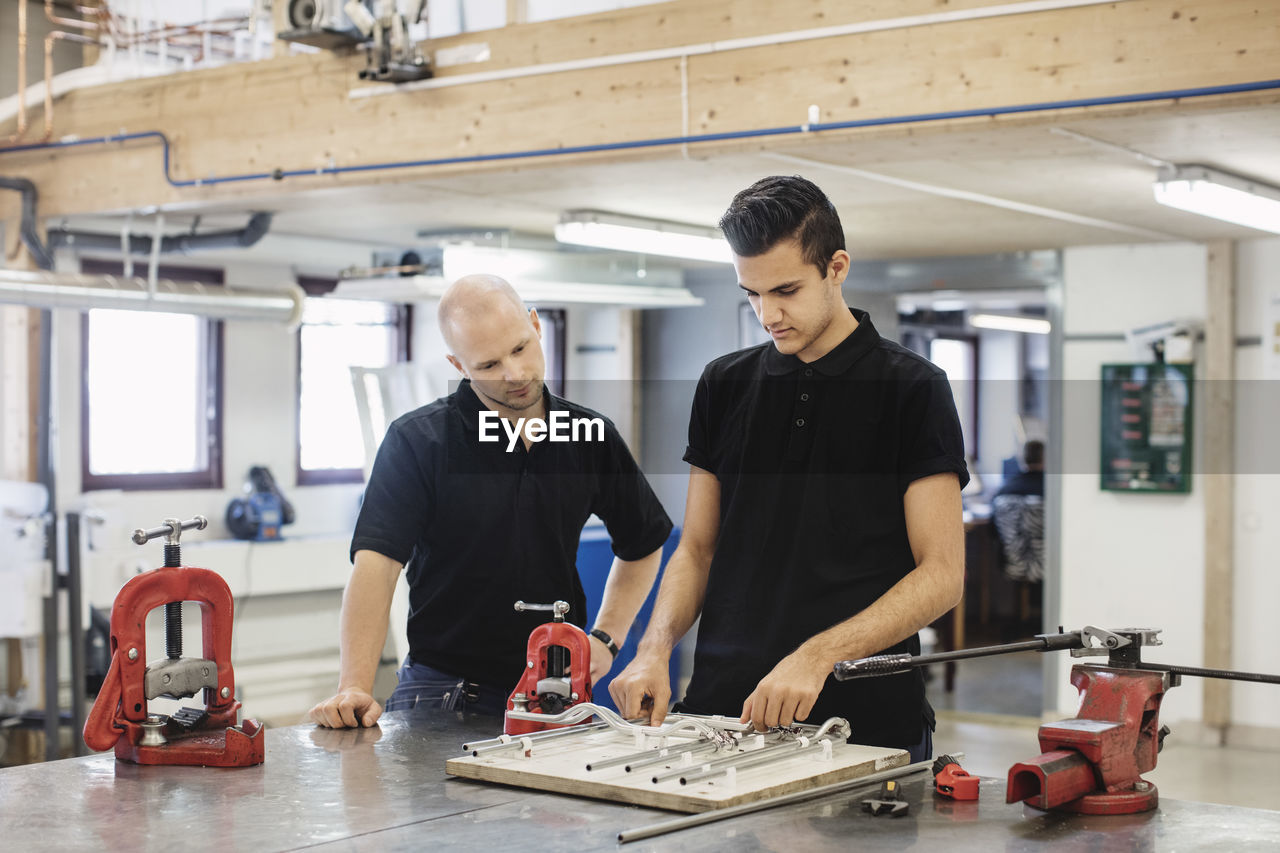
column 1019, row 522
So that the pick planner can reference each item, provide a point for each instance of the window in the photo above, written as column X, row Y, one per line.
column 336, row 335
column 151, row 394
column 958, row 356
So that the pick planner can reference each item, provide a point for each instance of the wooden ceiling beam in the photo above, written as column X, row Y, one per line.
column 295, row 113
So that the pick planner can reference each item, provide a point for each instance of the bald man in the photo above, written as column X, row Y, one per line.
column 480, row 498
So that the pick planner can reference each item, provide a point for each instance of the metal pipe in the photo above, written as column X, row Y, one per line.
column 83, row 292
column 516, row 741
column 66, row 22
column 52, row 712
column 737, row 759
column 890, row 664
column 1201, row 672
column 22, row 75
column 645, row 757
column 690, row 821
column 257, row 227
column 75, row 626
column 56, row 35
column 657, row 142
column 27, row 227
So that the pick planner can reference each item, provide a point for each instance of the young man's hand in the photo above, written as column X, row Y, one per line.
column 644, row 687
column 787, row 693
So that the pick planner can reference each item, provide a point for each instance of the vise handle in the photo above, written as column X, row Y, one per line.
column 172, row 528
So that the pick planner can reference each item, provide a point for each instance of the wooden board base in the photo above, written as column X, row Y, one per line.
column 560, row 766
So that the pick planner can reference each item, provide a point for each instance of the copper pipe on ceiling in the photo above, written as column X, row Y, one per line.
column 74, row 23
column 22, row 76
column 55, row 35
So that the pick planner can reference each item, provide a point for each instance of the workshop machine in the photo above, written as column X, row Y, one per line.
column 557, row 672
column 210, row 736
column 263, row 511
column 1091, row 764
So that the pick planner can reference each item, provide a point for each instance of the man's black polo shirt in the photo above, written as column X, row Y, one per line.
column 813, row 462
column 479, row 528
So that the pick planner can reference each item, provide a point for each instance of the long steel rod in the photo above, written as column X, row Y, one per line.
column 691, row 821
column 1230, row 674
column 645, row 757
column 719, row 765
column 890, row 664
column 495, row 744
column 749, row 759
column 671, row 756
column 76, row 627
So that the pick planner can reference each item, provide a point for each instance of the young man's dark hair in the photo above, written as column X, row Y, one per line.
column 780, row 208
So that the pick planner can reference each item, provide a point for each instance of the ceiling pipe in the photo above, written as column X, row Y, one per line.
column 27, row 228
column 258, row 226
column 38, row 289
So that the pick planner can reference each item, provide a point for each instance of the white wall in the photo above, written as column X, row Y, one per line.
column 1138, row 560
column 1257, row 494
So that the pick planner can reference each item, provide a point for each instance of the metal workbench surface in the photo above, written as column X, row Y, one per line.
column 385, row 789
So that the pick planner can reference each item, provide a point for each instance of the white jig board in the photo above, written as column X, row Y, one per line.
column 560, row 766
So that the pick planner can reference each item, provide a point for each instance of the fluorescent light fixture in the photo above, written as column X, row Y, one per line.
column 642, row 236
column 1208, row 192
column 1009, row 323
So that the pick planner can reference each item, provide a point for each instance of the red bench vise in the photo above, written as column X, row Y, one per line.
column 1092, row 764
column 210, row 736
column 557, row 672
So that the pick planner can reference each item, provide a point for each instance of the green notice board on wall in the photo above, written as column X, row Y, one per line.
column 1146, row 427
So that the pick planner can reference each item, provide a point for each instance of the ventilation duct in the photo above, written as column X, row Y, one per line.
column 83, row 292
column 549, row 278
column 186, row 244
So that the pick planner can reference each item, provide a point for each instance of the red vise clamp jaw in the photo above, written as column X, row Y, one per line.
column 119, row 717
column 557, row 672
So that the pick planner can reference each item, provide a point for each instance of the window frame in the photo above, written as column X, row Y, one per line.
column 317, row 286
column 211, row 476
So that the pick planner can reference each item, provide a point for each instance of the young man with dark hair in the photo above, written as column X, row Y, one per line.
column 823, row 519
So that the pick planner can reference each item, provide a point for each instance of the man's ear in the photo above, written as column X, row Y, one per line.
column 457, row 364
column 537, row 324
column 838, row 266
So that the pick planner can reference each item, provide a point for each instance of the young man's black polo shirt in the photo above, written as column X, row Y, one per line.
column 479, row 528
column 813, row 462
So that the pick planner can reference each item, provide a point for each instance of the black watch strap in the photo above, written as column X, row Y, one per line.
column 606, row 639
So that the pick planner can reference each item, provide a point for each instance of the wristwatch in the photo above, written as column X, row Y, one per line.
column 606, row 639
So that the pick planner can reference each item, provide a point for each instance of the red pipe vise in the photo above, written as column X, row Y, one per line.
column 193, row 736
column 557, row 672
column 1092, row 764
